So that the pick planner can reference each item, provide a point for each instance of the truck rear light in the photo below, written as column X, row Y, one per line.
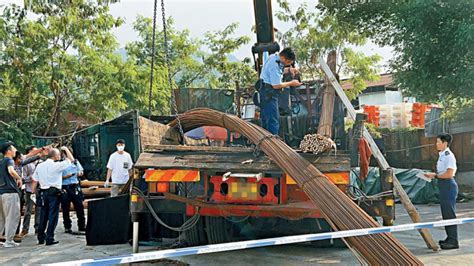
column 162, row 187
column 158, row 187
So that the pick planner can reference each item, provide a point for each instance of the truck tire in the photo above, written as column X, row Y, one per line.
column 321, row 226
column 196, row 236
column 219, row 230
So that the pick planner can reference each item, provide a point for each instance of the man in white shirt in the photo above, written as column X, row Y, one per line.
column 119, row 168
column 49, row 176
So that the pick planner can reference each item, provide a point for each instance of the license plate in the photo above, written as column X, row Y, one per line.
column 243, row 190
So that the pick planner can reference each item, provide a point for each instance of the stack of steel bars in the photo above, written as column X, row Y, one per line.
column 341, row 212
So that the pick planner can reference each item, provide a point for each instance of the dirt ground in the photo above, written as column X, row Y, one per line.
column 73, row 247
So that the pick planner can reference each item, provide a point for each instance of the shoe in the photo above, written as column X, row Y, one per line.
column 10, row 244
column 41, row 242
column 17, row 238
column 2, row 238
column 448, row 245
column 24, row 233
column 52, row 243
column 68, row 231
column 442, row 241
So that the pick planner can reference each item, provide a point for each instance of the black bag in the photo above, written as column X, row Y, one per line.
column 256, row 99
column 256, row 94
column 259, row 85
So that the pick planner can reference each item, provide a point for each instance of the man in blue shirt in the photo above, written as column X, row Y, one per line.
column 71, row 192
column 272, row 84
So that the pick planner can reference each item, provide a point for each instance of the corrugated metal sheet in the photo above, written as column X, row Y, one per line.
column 434, row 124
column 188, row 98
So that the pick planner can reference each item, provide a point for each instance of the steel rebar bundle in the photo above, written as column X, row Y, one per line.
column 340, row 211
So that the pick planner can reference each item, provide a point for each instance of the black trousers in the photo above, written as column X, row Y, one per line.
column 50, row 199
column 448, row 192
column 73, row 194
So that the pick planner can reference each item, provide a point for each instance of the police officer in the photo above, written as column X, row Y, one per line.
column 448, row 189
column 71, row 192
column 271, row 76
column 49, row 177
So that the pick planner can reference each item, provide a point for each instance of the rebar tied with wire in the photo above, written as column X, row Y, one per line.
column 341, row 212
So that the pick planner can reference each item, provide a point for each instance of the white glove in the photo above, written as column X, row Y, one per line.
column 33, row 198
column 106, row 184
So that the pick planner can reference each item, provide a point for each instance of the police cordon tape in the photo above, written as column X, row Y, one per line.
column 170, row 253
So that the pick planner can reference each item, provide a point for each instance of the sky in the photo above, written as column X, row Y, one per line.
column 200, row 16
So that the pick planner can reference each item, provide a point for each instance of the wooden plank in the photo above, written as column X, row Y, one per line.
column 152, row 133
column 233, row 162
column 329, row 96
column 415, row 216
column 159, row 148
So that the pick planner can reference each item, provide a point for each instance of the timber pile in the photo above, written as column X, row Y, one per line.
column 340, row 211
column 94, row 189
column 153, row 133
column 316, row 143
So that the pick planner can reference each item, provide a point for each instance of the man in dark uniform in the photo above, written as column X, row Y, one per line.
column 271, row 76
column 448, row 189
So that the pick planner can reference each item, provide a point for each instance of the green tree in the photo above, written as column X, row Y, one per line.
column 61, row 61
column 433, row 43
column 184, row 65
column 192, row 63
column 314, row 33
column 221, row 72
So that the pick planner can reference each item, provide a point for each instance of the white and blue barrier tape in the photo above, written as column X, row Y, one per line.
column 170, row 253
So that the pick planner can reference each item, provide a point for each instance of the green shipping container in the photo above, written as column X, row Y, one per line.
column 220, row 100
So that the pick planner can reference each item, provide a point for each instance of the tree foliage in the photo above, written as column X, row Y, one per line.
column 223, row 73
column 183, row 64
column 314, row 34
column 60, row 62
column 192, row 63
column 433, row 43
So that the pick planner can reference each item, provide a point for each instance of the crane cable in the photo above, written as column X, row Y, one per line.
column 150, row 95
column 174, row 106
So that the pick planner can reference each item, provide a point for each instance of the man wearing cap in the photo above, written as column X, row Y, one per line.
column 119, row 168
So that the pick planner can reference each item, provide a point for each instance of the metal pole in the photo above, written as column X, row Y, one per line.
column 135, row 236
column 415, row 216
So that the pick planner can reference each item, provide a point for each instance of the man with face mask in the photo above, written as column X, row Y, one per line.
column 271, row 76
column 119, row 168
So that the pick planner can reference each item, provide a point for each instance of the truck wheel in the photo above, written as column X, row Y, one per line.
column 321, row 226
column 219, row 230
column 387, row 221
column 338, row 243
column 196, row 236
